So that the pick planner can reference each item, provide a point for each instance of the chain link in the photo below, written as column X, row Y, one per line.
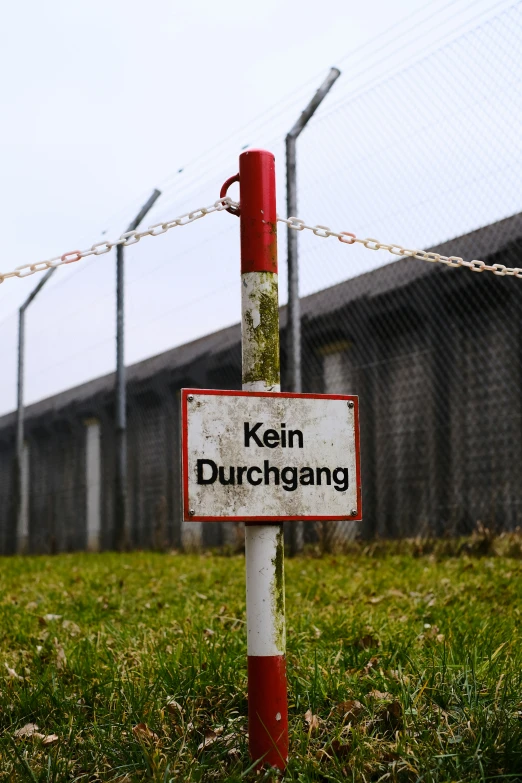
column 225, row 203
column 397, row 250
column 126, row 239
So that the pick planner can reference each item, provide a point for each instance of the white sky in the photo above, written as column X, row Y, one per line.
column 103, row 101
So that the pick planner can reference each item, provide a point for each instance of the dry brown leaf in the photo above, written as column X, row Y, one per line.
column 142, row 732
column 50, row 739
column 206, row 742
column 208, row 632
column 311, row 720
column 389, row 756
column 367, row 642
column 396, row 593
column 210, row 737
column 173, row 706
column 26, row 731
column 61, row 660
column 371, row 664
column 73, row 629
column 350, row 709
column 391, row 714
column 376, row 599
column 12, row 673
column 341, row 750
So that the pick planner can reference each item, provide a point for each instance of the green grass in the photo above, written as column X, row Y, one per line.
column 413, row 665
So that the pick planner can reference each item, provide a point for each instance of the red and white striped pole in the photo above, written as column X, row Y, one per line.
column 265, row 589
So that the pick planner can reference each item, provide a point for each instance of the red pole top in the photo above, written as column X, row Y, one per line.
column 258, row 211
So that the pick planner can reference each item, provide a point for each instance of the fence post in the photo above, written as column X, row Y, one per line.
column 21, row 463
column 20, row 543
column 293, row 324
column 264, row 547
column 120, row 536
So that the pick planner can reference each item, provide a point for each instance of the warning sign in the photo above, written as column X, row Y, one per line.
column 259, row 456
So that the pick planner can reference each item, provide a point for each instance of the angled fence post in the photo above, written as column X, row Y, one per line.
column 120, row 468
column 293, row 323
column 21, row 462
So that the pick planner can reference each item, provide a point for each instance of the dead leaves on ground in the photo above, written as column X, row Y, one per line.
column 341, row 749
column 350, row 709
column 26, row 731
column 367, row 642
column 143, row 734
column 49, row 618
column 30, row 730
column 388, row 716
column 212, row 736
column 174, row 707
column 71, row 627
column 61, row 660
column 380, row 695
column 381, row 716
column 431, row 633
column 312, row 721
column 50, row 739
column 12, row 673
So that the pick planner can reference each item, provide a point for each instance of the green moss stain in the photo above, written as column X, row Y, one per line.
column 278, row 591
column 263, row 337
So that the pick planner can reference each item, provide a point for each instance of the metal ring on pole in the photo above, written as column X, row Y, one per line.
column 223, row 192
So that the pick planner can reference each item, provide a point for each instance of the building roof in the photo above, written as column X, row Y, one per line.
column 481, row 243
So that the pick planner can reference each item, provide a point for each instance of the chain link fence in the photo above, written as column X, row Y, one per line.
column 435, row 354
column 424, row 153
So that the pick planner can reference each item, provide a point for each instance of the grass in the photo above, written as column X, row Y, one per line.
column 133, row 667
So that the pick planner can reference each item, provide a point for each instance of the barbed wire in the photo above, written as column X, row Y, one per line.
column 294, row 223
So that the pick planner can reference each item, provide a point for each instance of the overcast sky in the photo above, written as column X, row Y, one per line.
column 103, row 101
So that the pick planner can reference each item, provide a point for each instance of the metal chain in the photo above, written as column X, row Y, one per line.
column 226, row 203
column 129, row 238
column 397, row 250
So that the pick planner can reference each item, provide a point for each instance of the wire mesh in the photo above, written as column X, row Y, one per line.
column 424, row 153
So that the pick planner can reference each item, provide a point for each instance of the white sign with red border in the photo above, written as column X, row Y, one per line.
column 260, row 456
